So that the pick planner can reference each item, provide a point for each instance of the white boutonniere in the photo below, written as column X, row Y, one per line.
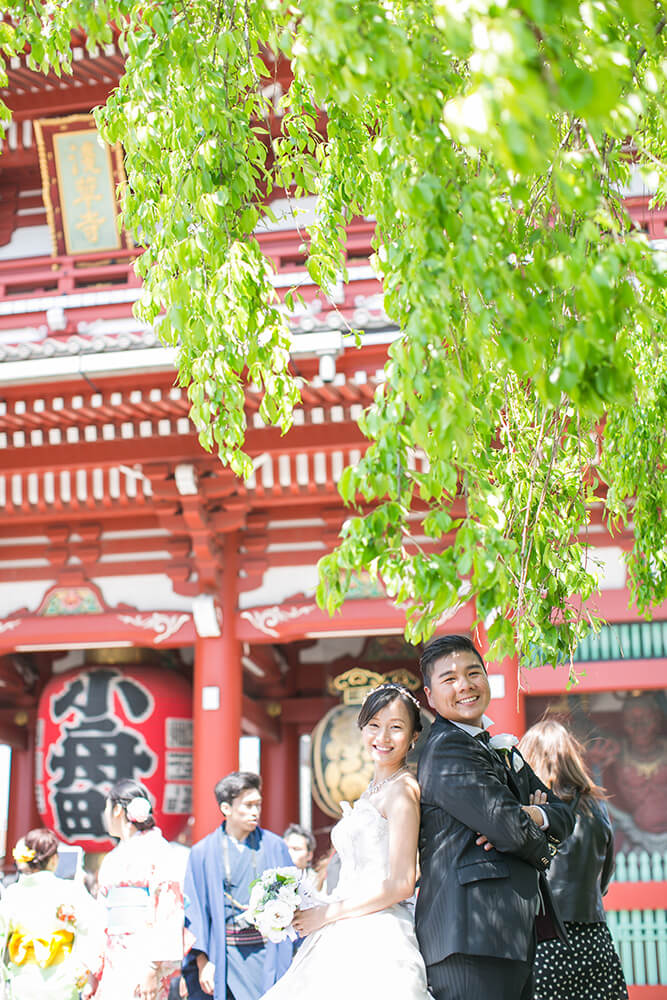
column 505, row 742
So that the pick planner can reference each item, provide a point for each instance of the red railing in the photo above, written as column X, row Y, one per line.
column 33, row 277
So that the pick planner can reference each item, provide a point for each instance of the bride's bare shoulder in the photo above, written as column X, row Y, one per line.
column 406, row 789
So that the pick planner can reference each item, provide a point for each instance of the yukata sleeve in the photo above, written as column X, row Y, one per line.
column 89, row 938
column 165, row 937
column 198, row 918
column 5, row 931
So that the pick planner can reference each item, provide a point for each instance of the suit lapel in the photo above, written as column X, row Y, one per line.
column 512, row 778
column 505, row 773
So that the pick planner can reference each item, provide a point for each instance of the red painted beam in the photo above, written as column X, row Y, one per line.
column 298, row 619
column 127, row 513
column 617, row 605
column 287, row 534
column 647, row 992
column 636, row 896
column 161, row 630
column 178, row 546
column 305, row 438
column 614, row 675
column 69, row 573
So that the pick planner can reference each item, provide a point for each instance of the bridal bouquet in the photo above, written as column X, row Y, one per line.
column 274, row 899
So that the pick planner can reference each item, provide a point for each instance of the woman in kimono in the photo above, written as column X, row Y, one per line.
column 48, row 926
column 139, row 886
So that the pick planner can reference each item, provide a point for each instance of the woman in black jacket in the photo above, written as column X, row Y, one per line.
column 578, row 876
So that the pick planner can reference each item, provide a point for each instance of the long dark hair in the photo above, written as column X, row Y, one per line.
column 383, row 696
column 557, row 757
column 122, row 794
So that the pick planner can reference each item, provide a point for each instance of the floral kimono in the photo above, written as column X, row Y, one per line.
column 51, row 933
column 139, row 885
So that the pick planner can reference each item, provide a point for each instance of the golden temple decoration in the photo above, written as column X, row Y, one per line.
column 355, row 684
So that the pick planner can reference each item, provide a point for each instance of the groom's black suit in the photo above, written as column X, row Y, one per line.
column 474, row 902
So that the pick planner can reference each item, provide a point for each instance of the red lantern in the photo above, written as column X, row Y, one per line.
column 98, row 725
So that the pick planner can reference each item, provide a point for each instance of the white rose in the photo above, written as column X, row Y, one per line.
column 503, row 741
column 290, row 870
column 278, row 914
column 256, row 897
column 275, row 936
column 288, row 894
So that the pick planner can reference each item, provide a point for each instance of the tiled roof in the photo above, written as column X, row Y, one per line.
column 54, row 347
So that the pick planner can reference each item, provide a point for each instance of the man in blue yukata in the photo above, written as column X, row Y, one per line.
column 229, row 958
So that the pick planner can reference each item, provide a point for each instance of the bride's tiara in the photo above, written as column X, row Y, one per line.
column 393, row 686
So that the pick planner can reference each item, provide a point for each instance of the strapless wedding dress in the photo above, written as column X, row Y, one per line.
column 359, row 957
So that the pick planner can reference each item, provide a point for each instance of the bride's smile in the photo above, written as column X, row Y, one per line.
column 387, row 736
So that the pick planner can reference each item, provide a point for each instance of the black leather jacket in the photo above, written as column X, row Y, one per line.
column 581, row 871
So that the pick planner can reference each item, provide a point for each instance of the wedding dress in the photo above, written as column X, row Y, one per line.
column 359, row 957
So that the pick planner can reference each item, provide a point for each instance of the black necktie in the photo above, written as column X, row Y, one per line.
column 484, row 737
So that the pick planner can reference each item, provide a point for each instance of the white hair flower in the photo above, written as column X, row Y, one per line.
column 138, row 809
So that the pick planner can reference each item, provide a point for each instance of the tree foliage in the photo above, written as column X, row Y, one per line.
column 491, row 140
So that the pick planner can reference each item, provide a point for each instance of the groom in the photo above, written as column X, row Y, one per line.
column 482, row 841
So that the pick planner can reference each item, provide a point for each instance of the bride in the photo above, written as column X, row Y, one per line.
column 362, row 941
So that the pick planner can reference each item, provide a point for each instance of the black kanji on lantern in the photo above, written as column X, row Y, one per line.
column 91, row 696
column 79, row 814
column 96, row 748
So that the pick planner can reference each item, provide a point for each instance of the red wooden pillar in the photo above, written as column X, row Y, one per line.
column 22, row 813
column 217, row 703
column 280, row 780
column 507, row 708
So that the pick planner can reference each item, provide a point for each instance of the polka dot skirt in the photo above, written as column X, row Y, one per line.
column 589, row 970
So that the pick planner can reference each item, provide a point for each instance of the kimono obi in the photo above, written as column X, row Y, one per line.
column 43, row 952
column 128, row 909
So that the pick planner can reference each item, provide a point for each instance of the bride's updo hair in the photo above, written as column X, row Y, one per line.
column 383, row 696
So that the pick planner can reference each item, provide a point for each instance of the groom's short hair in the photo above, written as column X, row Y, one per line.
column 444, row 645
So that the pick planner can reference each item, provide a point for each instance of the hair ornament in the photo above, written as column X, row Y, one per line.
column 393, row 686
column 138, row 809
column 23, row 854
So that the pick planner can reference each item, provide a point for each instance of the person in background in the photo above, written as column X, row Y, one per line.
column 301, row 845
column 229, row 958
column 140, row 889
column 579, row 875
column 327, row 871
column 50, row 928
column 181, row 848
